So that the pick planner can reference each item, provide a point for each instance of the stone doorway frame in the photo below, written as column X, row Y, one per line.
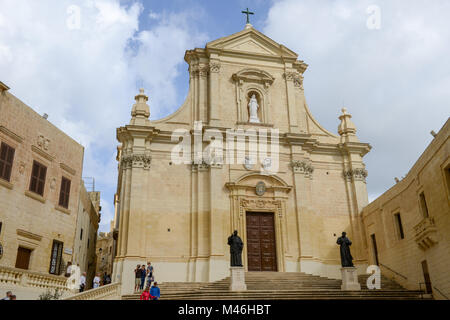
column 244, row 199
column 272, row 214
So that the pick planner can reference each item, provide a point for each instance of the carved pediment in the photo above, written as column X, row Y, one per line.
column 254, row 75
column 251, row 41
column 252, row 46
column 250, row 180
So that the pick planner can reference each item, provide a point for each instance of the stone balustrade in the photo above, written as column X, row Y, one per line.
column 26, row 278
column 107, row 292
column 10, row 276
column 29, row 285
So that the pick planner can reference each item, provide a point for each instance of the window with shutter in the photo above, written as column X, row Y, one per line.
column 64, row 193
column 38, row 174
column 6, row 161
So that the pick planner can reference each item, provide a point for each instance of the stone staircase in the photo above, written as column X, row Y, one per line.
column 281, row 286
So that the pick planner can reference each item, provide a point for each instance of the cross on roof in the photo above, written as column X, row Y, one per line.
column 248, row 13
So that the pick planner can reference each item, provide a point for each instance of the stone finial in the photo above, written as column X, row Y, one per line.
column 140, row 111
column 347, row 128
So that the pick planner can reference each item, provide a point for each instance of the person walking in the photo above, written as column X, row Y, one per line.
column 155, row 293
column 96, row 281
column 150, row 278
column 143, row 274
column 137, row 275
column 83, row 282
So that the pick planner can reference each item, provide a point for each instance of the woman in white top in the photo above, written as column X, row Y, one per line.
column 97, row 281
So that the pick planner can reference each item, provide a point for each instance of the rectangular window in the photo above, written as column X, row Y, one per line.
column 56, row 257
column 6, row 161
column 374, row 249
column 447, row 178
column 81, row 234
column 64, row 193
column 1, row 225
column 423, row 205
column 38, row 174
column 398, row 222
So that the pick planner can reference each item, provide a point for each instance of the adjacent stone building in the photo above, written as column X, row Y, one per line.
column 289, row 207
column 41, row 196
column 408, row 227
column 86, row 233
column 105, row 253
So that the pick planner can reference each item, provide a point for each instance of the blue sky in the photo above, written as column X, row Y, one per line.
column 393, row 80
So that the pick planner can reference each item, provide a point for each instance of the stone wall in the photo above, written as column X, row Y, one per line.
column 85, row 245
column 425, row 237
column 30, row 220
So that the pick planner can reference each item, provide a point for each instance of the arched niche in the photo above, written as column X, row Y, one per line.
column 257, row 81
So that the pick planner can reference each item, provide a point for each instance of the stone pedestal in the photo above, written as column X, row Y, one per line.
column 238, row 279
column 350, row 279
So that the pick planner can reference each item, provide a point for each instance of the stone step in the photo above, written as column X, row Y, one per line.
column 282, row 286
column 289, row 295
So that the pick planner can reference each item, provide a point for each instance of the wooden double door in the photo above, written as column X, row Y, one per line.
column 261, row 248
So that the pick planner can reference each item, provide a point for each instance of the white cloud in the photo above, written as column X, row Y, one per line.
column 160, row 51
column 154, row 15
column 85, row 78
column 394, row 81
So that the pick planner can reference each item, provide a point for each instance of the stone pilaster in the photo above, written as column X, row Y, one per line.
column 290, row 78
column 214, row 93
column 302, row 173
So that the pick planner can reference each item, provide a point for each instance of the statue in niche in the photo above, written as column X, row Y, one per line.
column 253, row 109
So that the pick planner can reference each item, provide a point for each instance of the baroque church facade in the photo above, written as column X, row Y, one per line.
column 179, row 216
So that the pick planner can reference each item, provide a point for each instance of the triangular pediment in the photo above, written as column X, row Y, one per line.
column 251, row 41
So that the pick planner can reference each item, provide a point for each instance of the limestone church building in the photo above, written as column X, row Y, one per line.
column 179, row 216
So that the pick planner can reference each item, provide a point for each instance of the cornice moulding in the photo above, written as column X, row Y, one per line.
column 29, row 235
column 11, row 134
column 355, row 147
column 68, row 169
column 42, row 153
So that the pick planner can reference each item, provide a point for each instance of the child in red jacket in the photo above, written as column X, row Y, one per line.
column 145, row 294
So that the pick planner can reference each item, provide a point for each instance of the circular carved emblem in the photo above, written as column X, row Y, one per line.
column 260, row 188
